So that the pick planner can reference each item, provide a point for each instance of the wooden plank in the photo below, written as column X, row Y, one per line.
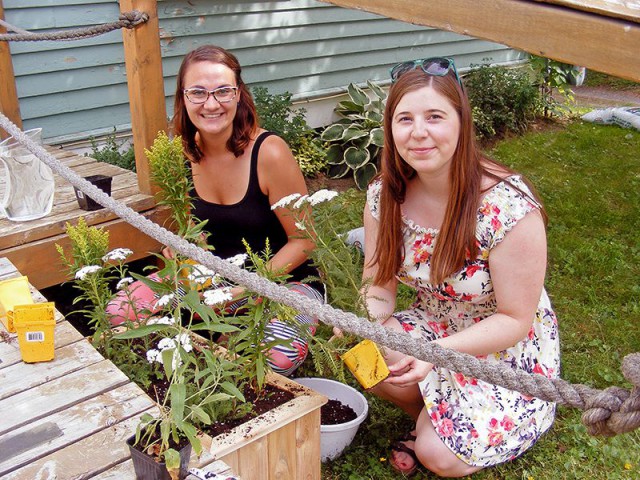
column 606, row 44
column 143, row 61
column 64, row 334
column 308, row 446
column 43, row 400
column 608, row 8
column 120, row 471
column 255, row 458
column 9, row 104
column 106, row 448
column 281, row 454
column 77, row 422
column 40, row 261
column 22, row 377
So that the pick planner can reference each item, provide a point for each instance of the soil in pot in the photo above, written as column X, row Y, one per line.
column 335, row 412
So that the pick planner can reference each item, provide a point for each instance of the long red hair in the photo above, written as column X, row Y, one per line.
column 457, row 235
column 245, row 122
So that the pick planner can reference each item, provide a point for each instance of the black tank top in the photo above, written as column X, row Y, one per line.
column 250, row 219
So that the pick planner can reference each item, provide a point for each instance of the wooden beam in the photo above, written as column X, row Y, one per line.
column 9, row 104
column 597, row 39
column 41, row 262
column 143, row 62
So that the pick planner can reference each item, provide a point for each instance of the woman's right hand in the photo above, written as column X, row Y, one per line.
column 168, row 252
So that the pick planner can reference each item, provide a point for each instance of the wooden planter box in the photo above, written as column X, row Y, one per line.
column 283, row 443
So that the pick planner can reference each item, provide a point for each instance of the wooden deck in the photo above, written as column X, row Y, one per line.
column 31, row 245
column 67, row 418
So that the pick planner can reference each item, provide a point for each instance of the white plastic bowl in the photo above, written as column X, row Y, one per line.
column 335, row 438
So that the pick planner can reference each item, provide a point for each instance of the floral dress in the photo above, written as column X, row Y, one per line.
column 482, row 424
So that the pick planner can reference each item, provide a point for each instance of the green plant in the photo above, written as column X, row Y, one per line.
column 170, row 173
column 553, row 76
column 503, row 100
column 111, row 152
column 356, row 138
column 277, row 115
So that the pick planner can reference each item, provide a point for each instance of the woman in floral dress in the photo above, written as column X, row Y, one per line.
column 469, row 235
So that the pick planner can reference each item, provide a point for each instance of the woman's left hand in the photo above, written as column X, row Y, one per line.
column 408, row 371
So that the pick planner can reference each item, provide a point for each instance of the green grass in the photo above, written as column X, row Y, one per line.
column 597, row 79
column 589, row 178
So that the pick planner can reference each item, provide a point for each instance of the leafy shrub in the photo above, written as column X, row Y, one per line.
column 503, row 100
column 553, row 76
column 277, row 115
column 111, row 152
column 356, row 139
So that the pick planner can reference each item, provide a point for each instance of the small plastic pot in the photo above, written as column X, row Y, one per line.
column 147, row 468
column 103, row 182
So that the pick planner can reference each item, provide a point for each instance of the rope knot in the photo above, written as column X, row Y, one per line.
column 133, row 18
column 616, row 410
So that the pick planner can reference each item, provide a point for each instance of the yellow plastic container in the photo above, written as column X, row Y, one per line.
column 366, row 363
column 14, row 291
column 35, row 325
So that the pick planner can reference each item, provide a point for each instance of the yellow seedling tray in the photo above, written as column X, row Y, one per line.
column 35, row 325
column 366, row 363
column 14, row 291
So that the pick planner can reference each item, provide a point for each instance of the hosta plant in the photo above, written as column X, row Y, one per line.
column 356, row 139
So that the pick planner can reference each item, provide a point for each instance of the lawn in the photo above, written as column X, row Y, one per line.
column 589, row 178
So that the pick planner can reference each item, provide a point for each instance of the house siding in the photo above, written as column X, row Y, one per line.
column 75, row 89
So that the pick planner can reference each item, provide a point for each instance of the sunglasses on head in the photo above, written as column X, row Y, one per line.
column 436, row 66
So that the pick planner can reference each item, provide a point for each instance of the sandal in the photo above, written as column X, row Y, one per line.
column 399, row 446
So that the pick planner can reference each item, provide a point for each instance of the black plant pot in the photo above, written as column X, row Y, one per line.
column 103, row 182
column 147, row 468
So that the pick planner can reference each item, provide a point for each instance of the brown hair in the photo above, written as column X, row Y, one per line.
column 457, row 235
column 245, row 122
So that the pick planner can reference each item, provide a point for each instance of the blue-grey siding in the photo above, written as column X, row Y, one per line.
column 78, row 88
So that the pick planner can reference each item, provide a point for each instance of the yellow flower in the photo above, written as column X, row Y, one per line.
column 382, row 459
column 628, row 466
column 530, row 477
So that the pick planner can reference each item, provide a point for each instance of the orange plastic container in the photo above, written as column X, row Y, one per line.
column 14, row 291
column 35, row 326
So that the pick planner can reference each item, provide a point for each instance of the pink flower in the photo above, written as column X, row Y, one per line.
column 471, row 270
column 507, row 423
column 495, row 438
column 474, row 433
column 407, row 327
column 493, row 423
column 460, row 378
column 443, row 407
column 445, row 428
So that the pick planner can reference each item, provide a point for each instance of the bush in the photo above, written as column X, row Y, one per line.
column 503, row 100
column 277, row 115
column 110, row 153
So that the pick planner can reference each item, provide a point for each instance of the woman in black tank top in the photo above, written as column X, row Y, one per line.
column 239, row 171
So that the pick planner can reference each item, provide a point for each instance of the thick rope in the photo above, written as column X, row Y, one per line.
column 127, row 20
column 607, row 412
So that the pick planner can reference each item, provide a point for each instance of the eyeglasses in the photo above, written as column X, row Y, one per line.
column 436, row 66
column 201, row 95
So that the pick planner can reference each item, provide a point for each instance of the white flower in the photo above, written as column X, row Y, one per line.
column 84, row 271
column 123, row 282
column 164, row 300
column 217, row 296
column 238, row 260
column 300, row 201
column 284, row 201
column 176, row 361
column 118, row 254
column 322, row 196
column 166, row 344
column 185, row 341
column 166, row 320
column 154, row 355
column 202, row 274
column 300, row 226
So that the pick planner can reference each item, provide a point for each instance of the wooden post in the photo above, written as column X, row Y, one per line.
column 9, row 104
column 143, row 62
